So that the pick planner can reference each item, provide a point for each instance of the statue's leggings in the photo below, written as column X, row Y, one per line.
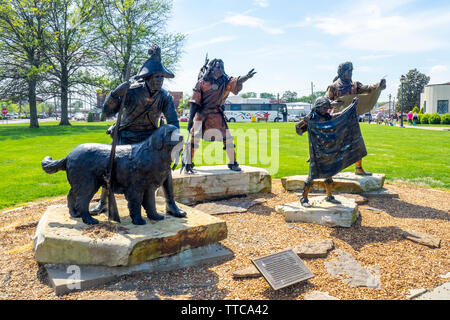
column 309, row 182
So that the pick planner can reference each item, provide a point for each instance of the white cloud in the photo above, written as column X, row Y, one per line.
column 212, row 41
column 439, row 74
column 252, row 22
column 261, row 3
column 378, row 27
column 376, row 57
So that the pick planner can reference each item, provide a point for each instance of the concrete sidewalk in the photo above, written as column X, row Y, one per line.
column 446, row 128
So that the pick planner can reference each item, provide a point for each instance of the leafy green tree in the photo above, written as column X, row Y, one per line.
column 22, row 29
column 249, row 95
column 70, row 46
column 127, row 28
column 412, row 87
column 289, row 96
column 266, row 95
column 184, row 103
column 312, row 97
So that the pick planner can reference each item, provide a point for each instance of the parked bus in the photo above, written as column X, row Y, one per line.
column 262, row 112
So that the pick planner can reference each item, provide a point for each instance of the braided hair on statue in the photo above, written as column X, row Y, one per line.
column 208, row 74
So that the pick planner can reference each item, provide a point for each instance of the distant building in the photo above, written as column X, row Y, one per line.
column 434, row 98
column 101, row 97
column 240, row 100
column 177, row 97
column 298, row 108
column 384, row 108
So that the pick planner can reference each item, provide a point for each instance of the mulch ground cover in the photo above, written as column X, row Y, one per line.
column 374, row 240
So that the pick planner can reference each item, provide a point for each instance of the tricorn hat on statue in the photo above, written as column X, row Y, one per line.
column 154, row 65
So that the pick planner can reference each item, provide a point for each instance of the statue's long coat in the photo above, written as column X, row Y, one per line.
column 142, row 113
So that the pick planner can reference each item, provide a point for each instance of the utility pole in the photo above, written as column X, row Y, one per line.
column 389, row 105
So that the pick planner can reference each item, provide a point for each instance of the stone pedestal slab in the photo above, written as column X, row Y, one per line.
column 218, row 182
column 61, row 239
column 68, row 278
column 322, row 212
column 345, row 182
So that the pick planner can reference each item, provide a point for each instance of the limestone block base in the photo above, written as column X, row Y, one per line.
column 345, row 182
column 61, row 239
column 218, row 182
column 322, row 212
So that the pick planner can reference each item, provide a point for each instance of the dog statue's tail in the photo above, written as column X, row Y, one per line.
column 52, row 166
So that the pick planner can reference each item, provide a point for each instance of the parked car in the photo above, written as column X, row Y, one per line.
column 365, row 117
column 79, row 117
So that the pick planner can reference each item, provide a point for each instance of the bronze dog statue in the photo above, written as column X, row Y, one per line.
column 139, row 169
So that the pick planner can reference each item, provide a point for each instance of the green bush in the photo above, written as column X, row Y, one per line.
column 421, row 111
column 90, row 117
column 415, row 109
column 103, row 117
column 424, row 118
column 445, row 119
column 435, row 118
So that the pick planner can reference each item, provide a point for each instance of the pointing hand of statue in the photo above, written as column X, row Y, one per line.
column 251, row 73
column 383, row 84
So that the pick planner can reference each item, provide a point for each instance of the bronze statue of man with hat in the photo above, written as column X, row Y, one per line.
column 145, row 102
column 207, row 120
column 343, row 86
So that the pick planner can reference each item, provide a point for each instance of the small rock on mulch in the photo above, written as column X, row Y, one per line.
column 318, row 249
column 233, row 206
column 250, row 272
column 422, row 238
column 317, row 295
column 355, row 274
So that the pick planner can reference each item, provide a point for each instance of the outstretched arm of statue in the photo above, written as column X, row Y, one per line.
column 249, row 75
column 369, row 89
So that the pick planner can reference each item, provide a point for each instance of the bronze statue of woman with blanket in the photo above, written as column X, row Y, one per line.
column 335, row 142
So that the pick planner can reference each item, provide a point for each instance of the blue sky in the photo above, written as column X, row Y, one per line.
column 294, row 43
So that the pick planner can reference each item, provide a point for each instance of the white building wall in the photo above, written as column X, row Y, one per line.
column 432, row 94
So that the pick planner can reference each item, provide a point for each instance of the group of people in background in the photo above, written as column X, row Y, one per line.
column 394, row 118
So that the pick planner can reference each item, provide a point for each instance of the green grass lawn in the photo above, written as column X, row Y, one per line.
column 415, row 156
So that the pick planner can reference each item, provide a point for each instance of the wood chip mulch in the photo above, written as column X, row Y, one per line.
column 374, row 240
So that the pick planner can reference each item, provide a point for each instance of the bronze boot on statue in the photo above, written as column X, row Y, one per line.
column 102, row 205
column 359, row 170
column 171, row 206
column 304, row 199
column 329, row 188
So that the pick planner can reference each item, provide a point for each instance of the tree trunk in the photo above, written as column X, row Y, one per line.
column 34, row 123
column 64, row 98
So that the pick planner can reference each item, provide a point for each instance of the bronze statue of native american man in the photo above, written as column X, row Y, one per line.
column 207, row 120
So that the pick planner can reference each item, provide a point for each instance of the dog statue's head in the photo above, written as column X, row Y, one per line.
column 167, row 136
